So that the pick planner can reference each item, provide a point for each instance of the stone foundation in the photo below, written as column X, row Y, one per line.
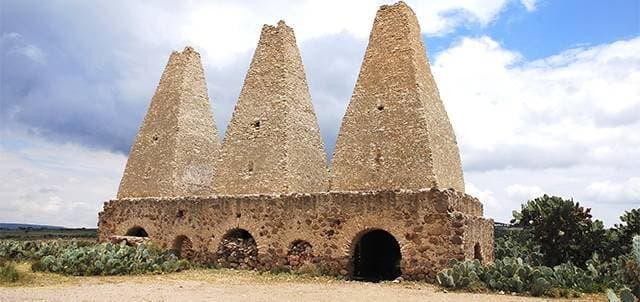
column 430, row 227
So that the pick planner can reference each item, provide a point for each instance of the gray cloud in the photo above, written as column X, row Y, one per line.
column 64, row 70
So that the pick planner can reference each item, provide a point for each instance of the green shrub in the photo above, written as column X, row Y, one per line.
column 85, row 258
column 562, row 228
column 8, row 272
column 516, row 243
column 515, row 275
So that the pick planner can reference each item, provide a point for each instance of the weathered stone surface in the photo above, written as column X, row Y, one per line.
column 239, row 253
column 273, row 142
column 176, row 148
column 396, row 133
column 329, row 222
column 130, row 240
column 396, row 168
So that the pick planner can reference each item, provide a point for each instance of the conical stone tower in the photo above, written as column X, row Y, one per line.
column 177, row 146
column 273, row 143
column 396, row 133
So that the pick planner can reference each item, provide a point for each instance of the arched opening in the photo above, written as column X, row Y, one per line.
column 183, row 247
column 376, row 257
column 477, row 252
column 137, row 231
column 300, row 252
column 237, row 249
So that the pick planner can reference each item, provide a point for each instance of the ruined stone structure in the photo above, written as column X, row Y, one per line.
column 396, row 134
column 395, row 205
column 273, row 142
column 175, row 151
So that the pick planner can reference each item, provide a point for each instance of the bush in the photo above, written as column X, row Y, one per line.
column 8, row 272
column 85, row 259
column 562, row 228
column 515, row 275
column 516, row 243
column 618, row 238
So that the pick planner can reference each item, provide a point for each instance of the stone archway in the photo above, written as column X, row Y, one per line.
column 375, row 256
column 137, row 231
column 183, row 247
column 237, row 249
column 300, row 252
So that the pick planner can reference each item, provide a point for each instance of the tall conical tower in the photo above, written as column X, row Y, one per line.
column 177, row 146
column 273, row 143
column 396, row 133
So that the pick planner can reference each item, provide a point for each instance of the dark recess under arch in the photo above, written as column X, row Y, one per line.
column 376, row 257
column 137, row 231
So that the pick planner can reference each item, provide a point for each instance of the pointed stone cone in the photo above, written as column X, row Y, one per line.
column 176, row 148
column 396, row 133
column 273, row 142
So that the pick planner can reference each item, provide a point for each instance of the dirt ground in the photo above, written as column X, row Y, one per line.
column 229, row 285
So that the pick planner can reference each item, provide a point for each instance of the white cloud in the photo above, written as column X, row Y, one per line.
column 567, row 125
column 236, row 25
column 22, row 48
column 523, row 192
column 563, row 110
column 607, row 191
column 485, row 196
column 530, row 5
column 57, row 184
column 32, row 52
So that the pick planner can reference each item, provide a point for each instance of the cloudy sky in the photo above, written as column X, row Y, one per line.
column 544, row 95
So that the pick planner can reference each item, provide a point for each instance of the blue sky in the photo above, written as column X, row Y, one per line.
column 555, row 26
column 544, row 96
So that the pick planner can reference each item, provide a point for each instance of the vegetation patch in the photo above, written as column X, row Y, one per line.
column 89, row 259
column 553, row 248
column 9, row 273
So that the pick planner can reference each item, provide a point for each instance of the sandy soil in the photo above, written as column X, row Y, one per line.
column 209, row 285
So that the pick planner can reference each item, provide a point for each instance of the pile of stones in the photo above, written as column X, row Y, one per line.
column 130, row 240
column 299, row 254
column 241, row 253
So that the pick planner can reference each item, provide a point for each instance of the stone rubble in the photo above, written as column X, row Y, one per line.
column 237, row 253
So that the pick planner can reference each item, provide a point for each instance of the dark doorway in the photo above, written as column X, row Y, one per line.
column 376, row 257
column 183, row 247
column 137, row 232
column 477, row 252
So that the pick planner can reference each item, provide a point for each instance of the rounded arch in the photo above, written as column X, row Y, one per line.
column 375, row 256
column 149, row 226
column 137, row 231
column 238, row 233
column 300, row 252
column 237, row 249
column 183, row 247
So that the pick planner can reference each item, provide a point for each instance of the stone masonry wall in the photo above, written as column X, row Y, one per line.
column 396, row 133
column 431, row 226
column 175, row 151
column 273, row 142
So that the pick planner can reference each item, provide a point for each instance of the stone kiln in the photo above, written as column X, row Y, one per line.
column 392, row 205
